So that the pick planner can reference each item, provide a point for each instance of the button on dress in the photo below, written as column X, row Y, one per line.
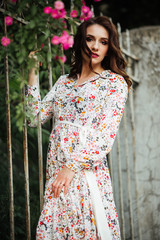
column 86, row 120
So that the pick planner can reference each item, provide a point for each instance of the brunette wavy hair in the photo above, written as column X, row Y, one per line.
column 114, row 60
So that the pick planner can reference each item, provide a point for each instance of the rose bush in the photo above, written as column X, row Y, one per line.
column 31, row 25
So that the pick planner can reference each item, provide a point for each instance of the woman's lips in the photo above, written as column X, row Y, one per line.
column 94, row 55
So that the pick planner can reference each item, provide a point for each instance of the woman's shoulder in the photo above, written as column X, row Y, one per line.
column 61, row 79
column 114, row 79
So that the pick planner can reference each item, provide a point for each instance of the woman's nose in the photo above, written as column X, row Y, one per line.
column 95, row 45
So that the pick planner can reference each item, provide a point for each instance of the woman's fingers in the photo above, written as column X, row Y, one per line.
column 58, row 185
column 55, row 187
column 59, row 189
column 32, row 54
column 63, row 179
column 66, row 186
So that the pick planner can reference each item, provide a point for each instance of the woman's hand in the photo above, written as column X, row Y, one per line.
column 33, row 55
column 33, row 75
column 63, row 179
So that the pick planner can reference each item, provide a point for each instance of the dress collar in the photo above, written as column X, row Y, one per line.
column 102, row 74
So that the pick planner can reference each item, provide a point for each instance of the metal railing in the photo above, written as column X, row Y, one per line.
column 127, row 160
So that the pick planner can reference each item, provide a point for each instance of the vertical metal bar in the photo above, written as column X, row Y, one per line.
column 40, row 151
column 9, row 143
column 50, row 73
column 49, row 65
column 62, row 64
column 72, row 5
column 26, row 168
column 119, row 34
column 40, row 159
column 129, row 69
column 120, row 188
column 126, row 151
column 128, row 177
column 26, row 171
column 50, row 70
column 71, row 8
column 119, row 159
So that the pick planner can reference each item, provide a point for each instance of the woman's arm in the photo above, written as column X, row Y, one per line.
column 34, row 104
column 33, row 73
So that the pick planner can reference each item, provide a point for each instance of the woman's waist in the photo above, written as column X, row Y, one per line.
column 66, row 125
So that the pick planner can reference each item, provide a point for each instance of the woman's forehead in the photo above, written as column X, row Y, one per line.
column 97, row 30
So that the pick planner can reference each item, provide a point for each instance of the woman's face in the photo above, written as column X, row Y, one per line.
column 97, row 38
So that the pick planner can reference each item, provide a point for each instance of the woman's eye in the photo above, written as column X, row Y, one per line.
column 88, row 39
column 104, row 42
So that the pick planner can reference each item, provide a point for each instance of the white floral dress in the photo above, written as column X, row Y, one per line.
column 86, row 118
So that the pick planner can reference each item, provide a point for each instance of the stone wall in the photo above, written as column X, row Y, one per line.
column 145, row 44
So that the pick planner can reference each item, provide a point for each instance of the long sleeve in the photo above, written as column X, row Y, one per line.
column 36, row 106
column 99, row 141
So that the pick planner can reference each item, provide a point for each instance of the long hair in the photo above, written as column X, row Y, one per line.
column 114, row 60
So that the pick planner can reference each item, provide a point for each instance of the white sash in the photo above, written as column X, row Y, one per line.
column 101, row 220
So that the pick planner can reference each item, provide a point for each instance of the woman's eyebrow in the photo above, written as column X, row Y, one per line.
column 89, row 35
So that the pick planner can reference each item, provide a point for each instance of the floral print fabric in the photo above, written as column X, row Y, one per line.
column 86, row 118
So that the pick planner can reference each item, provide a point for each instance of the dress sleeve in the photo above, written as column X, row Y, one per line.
column 99, row 141
column 36, row 106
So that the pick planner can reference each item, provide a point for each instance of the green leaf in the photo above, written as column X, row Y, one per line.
column 20, row 59
column 33, row 10
column 31, row 25
column 47, row 33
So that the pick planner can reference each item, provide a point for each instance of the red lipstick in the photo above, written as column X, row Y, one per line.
column 94, row 55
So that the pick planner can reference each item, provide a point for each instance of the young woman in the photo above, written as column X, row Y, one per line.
column 87, row 106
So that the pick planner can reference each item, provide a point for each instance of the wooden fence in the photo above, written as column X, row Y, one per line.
column 120, row 156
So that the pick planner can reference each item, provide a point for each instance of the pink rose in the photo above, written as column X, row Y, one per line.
column 55, row 13
column 5, row 41
column 62, row 13
column 55, row 40
column 63, row 58
column 97, row 0
column 85, row 9
column 65, row 33
column 63, row 39
column 73, row 14
column 8, row 20
column 47, row 10
column 86, row 13
column 59, row 5
column 70, row 41
column 66, row 40
column 89, row 15
column 66, row 46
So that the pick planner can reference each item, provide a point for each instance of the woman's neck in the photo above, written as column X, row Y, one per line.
column 87, row 73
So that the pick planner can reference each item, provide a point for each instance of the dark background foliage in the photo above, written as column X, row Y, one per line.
column 129, row 13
